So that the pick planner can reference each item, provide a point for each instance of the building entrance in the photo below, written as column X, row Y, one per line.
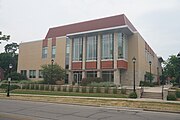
column 77, row 77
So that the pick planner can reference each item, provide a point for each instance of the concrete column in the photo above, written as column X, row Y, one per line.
column 116, row 72
column 84, row 57
column 99, row 56
column 70, row 78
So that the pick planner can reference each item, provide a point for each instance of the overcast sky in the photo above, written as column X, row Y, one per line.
column 158, row 21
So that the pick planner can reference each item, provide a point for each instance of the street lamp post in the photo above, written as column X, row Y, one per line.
column 52, row 61
column 134, row 61
column 150, row 70
column 9, row 80
column 178, row 56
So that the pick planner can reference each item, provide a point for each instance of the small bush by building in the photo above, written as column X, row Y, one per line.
column 171, row 97
column 133, row 95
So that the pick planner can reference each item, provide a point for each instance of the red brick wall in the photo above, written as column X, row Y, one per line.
column 91, row 65
column 107, row 64
column 122, row 64
column 53, row 41
column 76, row 65
column 45, row 43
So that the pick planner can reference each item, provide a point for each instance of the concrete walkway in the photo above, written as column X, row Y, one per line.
column 156, row 89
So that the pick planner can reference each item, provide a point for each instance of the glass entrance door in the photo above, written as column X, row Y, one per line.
column 77, row 77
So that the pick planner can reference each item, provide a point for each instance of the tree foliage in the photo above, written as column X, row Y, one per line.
column 172, row 68
column 11, row 48
column 4, row 37
column 53, row 73
column 9, row 57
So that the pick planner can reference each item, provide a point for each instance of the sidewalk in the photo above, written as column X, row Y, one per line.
column 156, row 89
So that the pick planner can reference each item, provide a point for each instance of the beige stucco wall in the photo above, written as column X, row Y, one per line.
column 30, row 55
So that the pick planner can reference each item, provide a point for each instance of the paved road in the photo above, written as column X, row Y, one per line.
column 26, row 110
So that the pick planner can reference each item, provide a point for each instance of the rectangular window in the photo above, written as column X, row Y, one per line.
column 67, row 53
column 53, row 52
column 24, row 72
column 122, row 41
column 91, row 74
column 32, row 73
column 107, row 46
column 91, row 50
column 40, row 74
column 108, row 76
column 77, row 49
column 44, row 52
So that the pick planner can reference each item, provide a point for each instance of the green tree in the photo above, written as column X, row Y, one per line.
column 149, row 76
column 4, row 37
column 11, row 48
column 53, row 73
column 171, row 68
column 9, row 57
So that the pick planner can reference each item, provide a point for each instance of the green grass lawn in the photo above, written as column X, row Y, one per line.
column 59, row 93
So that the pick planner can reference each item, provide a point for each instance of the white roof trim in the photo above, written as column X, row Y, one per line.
column 104, row 29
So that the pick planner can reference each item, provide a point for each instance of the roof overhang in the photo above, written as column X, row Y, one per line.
column 124, row 29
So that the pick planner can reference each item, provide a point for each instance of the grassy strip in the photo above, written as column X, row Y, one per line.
column 158, row 106
column 59, row 93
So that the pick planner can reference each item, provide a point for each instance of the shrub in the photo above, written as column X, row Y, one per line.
column 86, row 81
column 146, row 84
column 32, row 86
column 52, row 88
column 77, row 89
column 106, row 90
column 41, row 87
column 171, row 97
column 115, row 90
column 91, row 89
column 59, row 88
column 64, row 89
column 98, row 90
column 133, row 95
column 12, row 87
column 123, row 91
column 102, row 84
column 47, row 87
column 16, row 76
column 83, row 89
column 36, row 87
column 70, row 89
column 178, row 93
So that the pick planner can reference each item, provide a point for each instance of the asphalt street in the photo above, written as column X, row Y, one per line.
column 27, row 110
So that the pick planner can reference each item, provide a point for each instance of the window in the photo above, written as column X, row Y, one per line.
column 108, row 76
column 91, row 74
column 77, row 49
column 40, row 74
column 24, row 72
column 91, row 50
column 32, row 73
column 107, row 46
column 44, row 52
column 122, row 43
column 53, row 52
column 67, row 53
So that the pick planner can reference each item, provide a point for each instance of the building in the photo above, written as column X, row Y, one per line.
column 96, row 48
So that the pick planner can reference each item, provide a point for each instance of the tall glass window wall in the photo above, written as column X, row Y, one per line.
column 91, row 74
column 77, row 49
column 44, row 52
column 53, row 52
column 107, row 46
column 67, row 53
column 122, row 45
column 91, row 49
column 108, row 76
